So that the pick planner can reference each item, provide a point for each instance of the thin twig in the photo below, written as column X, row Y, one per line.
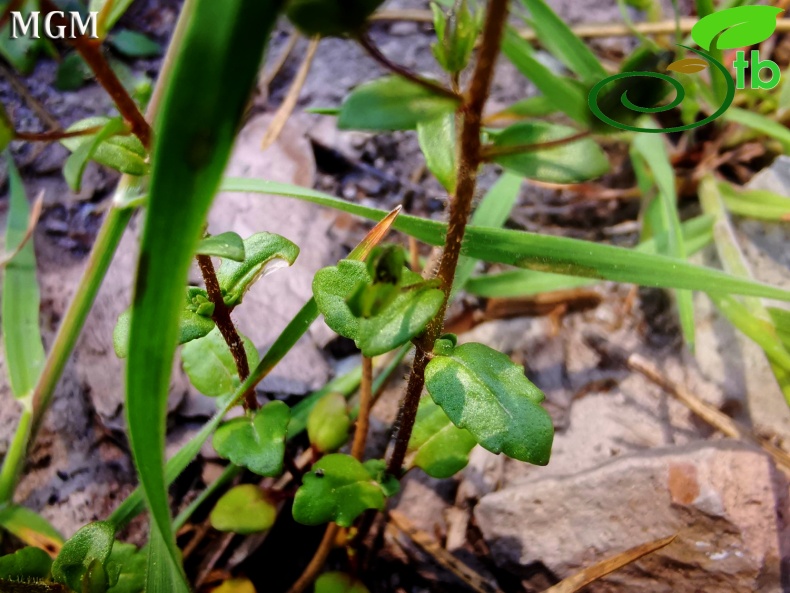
column 585, row 30
column 365, row 402
column 90, row 51
column 282, row 57
column 367, row 44
column 491, row 151
column 702, row 409
column 460, row 208
column 221, row 317
column 317, row 563
column 289, row 103
column 54, row 135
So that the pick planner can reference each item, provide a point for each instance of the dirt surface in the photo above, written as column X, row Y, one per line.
column 603, row 413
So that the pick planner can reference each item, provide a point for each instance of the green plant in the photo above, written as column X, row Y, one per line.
column 475, row 395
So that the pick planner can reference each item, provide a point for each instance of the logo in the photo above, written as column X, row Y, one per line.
column 75, row 25
column 732, row 28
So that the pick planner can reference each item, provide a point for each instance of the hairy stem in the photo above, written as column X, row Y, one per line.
column 367, row 44
column 226, row 327
column 90, row 51
column 460, row 207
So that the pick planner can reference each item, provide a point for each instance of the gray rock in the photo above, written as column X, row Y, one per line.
column 724, row 500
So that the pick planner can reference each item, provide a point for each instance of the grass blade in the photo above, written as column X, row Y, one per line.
column 24, row 349
column 755, row 203
column 558, row 38
column 651, row 150
column 562, row 92
column 759, row 123
column 546, row 253
column 201, row 108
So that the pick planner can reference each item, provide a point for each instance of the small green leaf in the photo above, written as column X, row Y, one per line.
column 332, row 286
column 225, row 245
column 30, row 527
column 126, row 569
column 456, row 34
column 210, row 366
column 125, row 153
column 92, row 543
column 391, row 103
column 483, row 391
column 568, row 163
column 78, row 160
column 437, row 142
column 263, row 253
column 194, row 321
column 441, row 449
column 377, row 468
column 26, row 564
column 328, row 423
column 134, row 44
column 243, row 509
column 6, row 129
column 339, row 582
column 256, row 443
column 73, row 72
column 338, row 489
column 405, row 318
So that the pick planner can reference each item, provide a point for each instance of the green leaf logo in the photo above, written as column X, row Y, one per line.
column 736, row 27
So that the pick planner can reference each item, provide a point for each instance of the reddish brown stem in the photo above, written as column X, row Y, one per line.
column 226, row 327
column 54, row 135
column 460, row 207
column 367, row 44
column 491, row 151
column 90, row 50
column 365, row 403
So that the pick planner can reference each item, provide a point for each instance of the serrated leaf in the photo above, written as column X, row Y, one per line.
column 263, row 253
column 328, row 423
column 338, row 489
column 483, row 391
column 391, row 103
column 191, row 324
column 78, row 160
column 257, row 443
column 568, row 163
column 403, row 319
column 339, row 582
column 563, row 43
column 124, row 153
column 210, row 366
column 134, row 44
column 26, row 564
column 243, row 509
column 90, row 545
column 225, row 245
column 438, row 141
column 441, row 448
column 24, row 350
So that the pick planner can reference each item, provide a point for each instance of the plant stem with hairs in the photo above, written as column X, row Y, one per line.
column 226, row 327
column 470, row 159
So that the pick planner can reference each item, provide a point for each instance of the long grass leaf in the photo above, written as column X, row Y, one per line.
column 201, row 109
column 546, row 253
column 24, row 350
column 653, row 151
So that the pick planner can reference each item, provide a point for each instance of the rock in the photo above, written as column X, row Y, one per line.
column 724, row 500
column 275, row 300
